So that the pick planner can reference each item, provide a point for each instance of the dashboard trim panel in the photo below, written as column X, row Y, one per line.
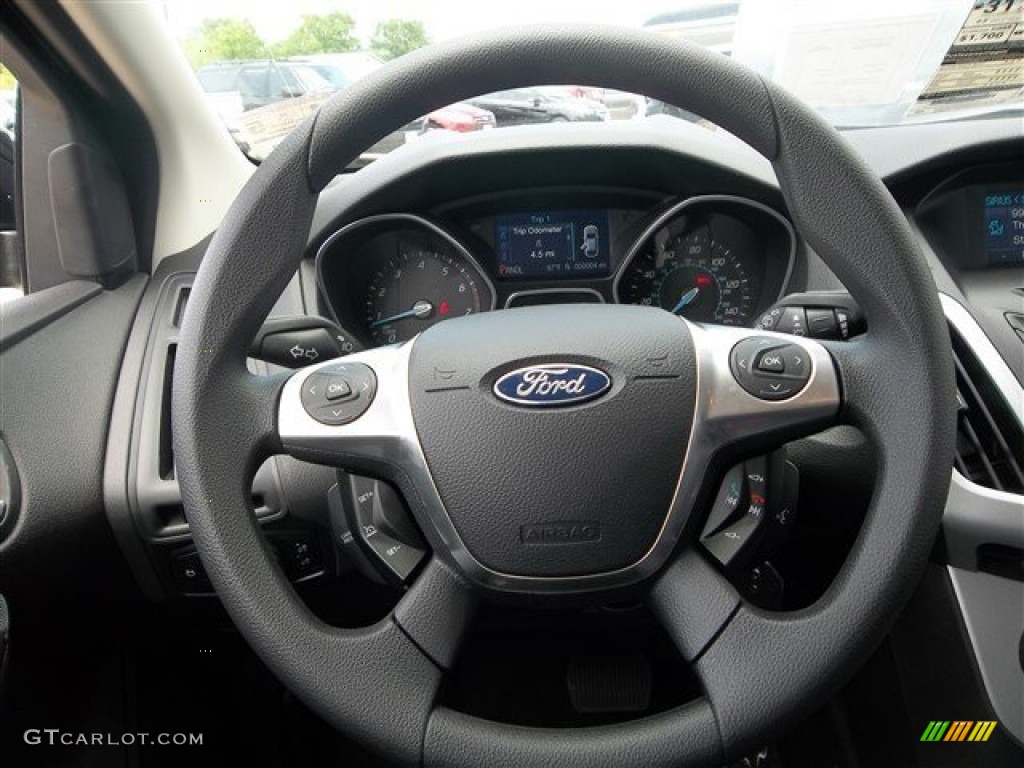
column 976, row 515
column 549, row 291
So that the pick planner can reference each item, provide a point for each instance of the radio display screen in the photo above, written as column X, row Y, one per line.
column 1004, row 227
column 552, row 244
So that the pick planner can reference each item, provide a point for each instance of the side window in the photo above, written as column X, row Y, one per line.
column 286, row 83
column 10, row 248
column 252, row 83
column 277, row 84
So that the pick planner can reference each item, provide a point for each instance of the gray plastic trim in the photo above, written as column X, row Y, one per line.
column 148, row 492
column 553, row 291
column 725, row 414
column 974, row 514
column 992, row 607
column 993, row 610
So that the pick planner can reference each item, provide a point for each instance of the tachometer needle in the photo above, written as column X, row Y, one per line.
column 688, row 297
column 420, row 309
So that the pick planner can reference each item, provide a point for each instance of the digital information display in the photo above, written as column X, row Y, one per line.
column 553, row 244
column 1004, row 227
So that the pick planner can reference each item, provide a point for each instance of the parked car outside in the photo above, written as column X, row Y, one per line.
column 460, row 117
column 343, row 69
column 520, row 106
column 340, row 69
column 262, row 100
column 263, row 82
column 621, row 105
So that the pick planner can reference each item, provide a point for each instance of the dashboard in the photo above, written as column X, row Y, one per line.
column 715, row 258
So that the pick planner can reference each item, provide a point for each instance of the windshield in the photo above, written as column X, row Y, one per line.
column 266, row 65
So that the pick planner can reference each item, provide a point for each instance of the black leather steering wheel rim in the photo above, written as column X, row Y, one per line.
column 762, row 671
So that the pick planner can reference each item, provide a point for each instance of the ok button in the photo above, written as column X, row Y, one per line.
column 337, row 388
column 771, row 362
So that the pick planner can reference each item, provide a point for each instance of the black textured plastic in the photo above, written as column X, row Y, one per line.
column 611, row 463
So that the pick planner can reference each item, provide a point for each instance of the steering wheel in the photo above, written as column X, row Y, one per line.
column 632, row 453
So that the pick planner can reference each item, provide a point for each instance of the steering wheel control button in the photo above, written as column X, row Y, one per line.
column 189, row 573
column 338, row 388
column 793, row 321
column 339, row 394
column 770, row 362
column 727, row 502
column 796, row 361
column 377, row 519
column 297, row 349
column 770, row 370
column 753, row 511
column 822, row 323
column 740, row 512
column 299, row 554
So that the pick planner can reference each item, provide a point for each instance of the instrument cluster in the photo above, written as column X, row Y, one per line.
column 711, row 259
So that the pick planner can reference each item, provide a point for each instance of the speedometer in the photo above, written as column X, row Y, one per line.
column 691, row 273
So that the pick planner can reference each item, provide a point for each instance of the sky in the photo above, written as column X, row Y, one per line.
column 275, row 19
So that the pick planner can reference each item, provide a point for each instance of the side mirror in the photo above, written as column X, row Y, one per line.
column 536, row 101
column 288, row 92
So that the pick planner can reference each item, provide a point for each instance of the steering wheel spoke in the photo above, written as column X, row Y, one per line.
column 352, row 412
column 693, row 602
column 759, row 389
column 436, row 613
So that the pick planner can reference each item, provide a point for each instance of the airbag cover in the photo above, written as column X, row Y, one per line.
column 578, row 478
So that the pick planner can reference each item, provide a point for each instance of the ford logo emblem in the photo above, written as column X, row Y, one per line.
column 552, row 384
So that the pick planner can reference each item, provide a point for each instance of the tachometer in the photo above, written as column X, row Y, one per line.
column 690, row 273
column 417, row 287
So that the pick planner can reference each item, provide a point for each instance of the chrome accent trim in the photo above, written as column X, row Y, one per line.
column 383, row 218
column 977, row 515
column 724, row 414
column 985, row 351
column 676, row 209
column 539, row 291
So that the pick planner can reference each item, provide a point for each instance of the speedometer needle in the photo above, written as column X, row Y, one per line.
column 420, row 309
column 688, row 297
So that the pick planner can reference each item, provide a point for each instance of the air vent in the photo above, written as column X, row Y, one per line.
column 178, row 317
column 990, row 443
column 166, row 451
